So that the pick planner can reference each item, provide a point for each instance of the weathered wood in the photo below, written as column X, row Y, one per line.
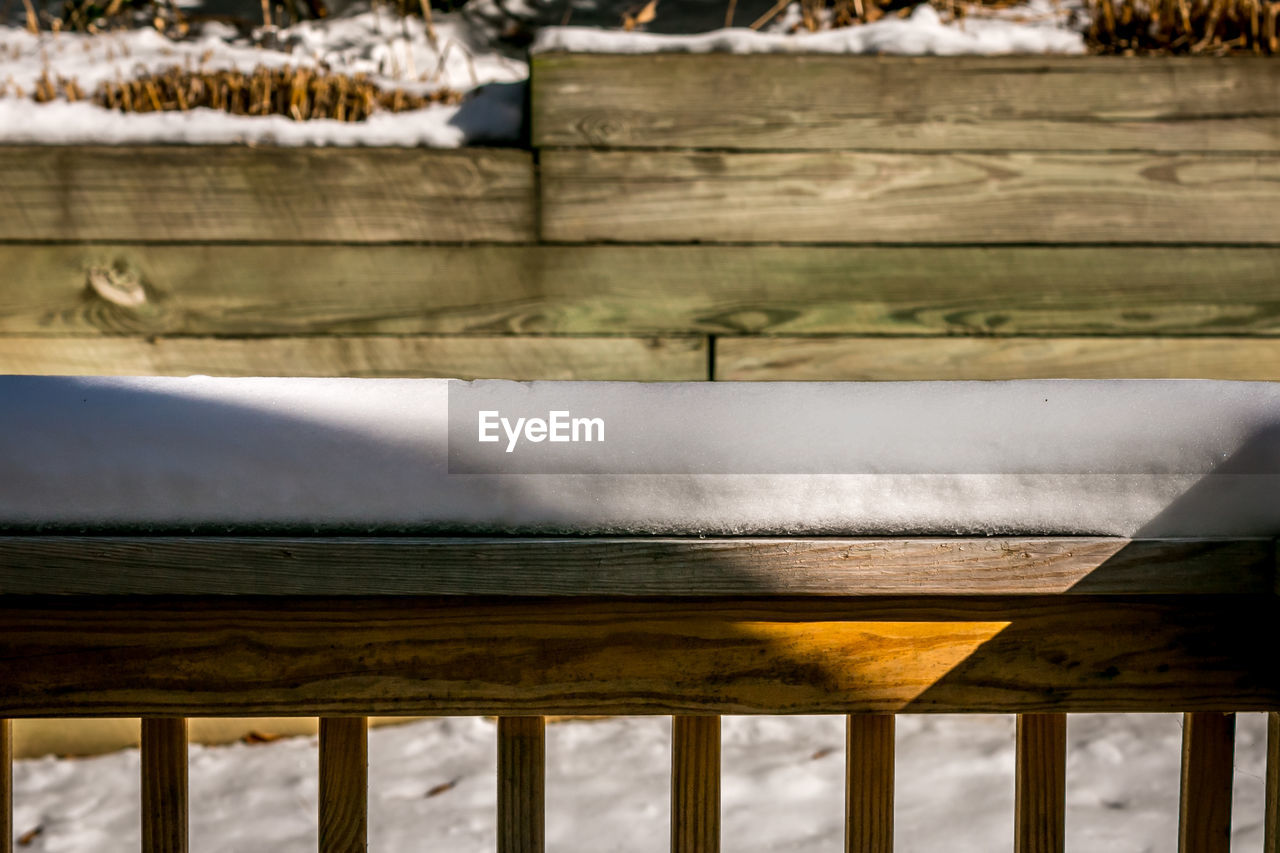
column 457, row 357
column 868, row 783
column 902, row 103
column 6, row 786
column 164, row 785
column 995, row 358
column 1020, row 197
column 578, row 567
column 344, row 657
column 1040, row 801
column 1204, row 814
column 344, row 785
column 196, row 289
column 211, row 193
column 521, row 780
column 1271, row 821
column 695, row 784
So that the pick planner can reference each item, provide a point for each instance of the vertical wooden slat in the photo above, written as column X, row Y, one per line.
column 695, row 784
column 1040, row 804
column 344, row 784
column 1271, row 842
column 6, row 786
column 1208, row 750
column 164, row 785
column 521, row 756
column 868, row 783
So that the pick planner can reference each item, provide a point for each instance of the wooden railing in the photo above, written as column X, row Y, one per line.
column 344, row 628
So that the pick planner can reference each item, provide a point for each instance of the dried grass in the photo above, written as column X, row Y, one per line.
column 299, row 93
column 1213, row 27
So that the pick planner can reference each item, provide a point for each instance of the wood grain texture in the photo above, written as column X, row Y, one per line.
column 521, row 782
column 695, row 784
column 6, row 786
column 842, row 197
column 1271, row 819
column 1204, row 813
column 673, row 359
column 903, row 103
column 1040, row 787
column 622, row 567
column 344, row 785
column 211, row 193
column 868, row 783
column 276, row 290
column 995, row 358
column 403, row 656
column 164, row 785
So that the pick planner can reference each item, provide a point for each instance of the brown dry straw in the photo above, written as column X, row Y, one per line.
column 1214, row 27
column 299, row 93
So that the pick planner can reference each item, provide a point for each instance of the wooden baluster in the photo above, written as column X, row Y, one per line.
column 521, row 759
column 344, row 784
column 695, row 784
column 868, row 783
column 164, row 785
column 1040, row 805
column 1271, row 842
column 1204, row 817
column 6, row 786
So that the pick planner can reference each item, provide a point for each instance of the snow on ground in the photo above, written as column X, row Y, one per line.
column 432, row 788
column 1040, row 28
column 395, row 52
column 469, row 53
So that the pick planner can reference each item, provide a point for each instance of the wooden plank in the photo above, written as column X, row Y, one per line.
column 844, row 197
column 1271, row 820
column 695, row 784
column 366, row 356
column 273, row 290
column 164, row 785
column 930, row 103
column 6, row 786
column 996, row 358
column 343, row 657
column 211, row 193
column 868, row 783
column 1040, row 801
column 344, row 785
column 1204, row 814
column 521, row 780
column 620, row 567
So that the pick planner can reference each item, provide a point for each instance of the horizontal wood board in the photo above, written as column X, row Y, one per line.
column 578, row 567
column 852, row 197
column 526, row 358
column 779, row 102
column 196, row 289
column 212, row 193
column 204, row 657
column 906, row 359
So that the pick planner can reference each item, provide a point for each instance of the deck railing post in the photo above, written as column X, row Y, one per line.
column 164, row 785
column 1271, row 838
column 6, row 786
column 1040, row 805
column 868, row 783
column 695, row 784
column 1204, row 814
column 344, row 784
column 521, row 777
